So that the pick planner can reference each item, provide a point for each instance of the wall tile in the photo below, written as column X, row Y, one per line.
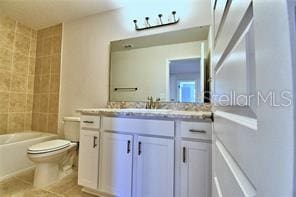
column 53, row 123
column 19, row 83
column 3, row 123
column 5, row 59
column 6, row 39
column 55, row 64
column 17, row 75
column 7, row 23
column 20, row 63
column 46, row 48
column 54, row 83
column 17, row 102
column 43, row 122
column 37, row 81
column 44, row 83
column 30, row 87
column 56, row 45
column 34, row 34
column 32, row 65
column 28, row 121
column 29, row 103
column 22, row 29
column 4, row 102
column 22, row 44
column 38, row 66
column 16, row 122
column 39, row 47
column 44, row 99
column 35, row 121
column 45, row 65
column 33, row 46
column 36, row 103
column 4, row 81
column 53, row 103
column 57, row 30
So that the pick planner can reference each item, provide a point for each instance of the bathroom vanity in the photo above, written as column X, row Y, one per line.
column 142, row 152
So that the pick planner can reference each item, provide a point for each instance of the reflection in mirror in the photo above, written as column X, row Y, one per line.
column 169, row 66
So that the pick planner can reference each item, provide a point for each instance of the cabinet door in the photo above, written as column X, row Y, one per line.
column 88, row 169
column 195, row 169
column 154, row 167
column 116, row 164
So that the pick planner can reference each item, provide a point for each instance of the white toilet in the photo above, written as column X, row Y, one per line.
column 54, row 159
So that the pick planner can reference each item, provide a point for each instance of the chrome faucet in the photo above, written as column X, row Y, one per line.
column 150, row 104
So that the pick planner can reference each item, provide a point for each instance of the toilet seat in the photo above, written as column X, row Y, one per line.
column 49, row 146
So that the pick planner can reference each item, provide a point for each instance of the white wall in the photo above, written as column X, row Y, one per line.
column 85, row 52
column 147, row 69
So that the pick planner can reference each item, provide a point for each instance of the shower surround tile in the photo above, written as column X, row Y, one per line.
column 47, row 79
column 16, row 42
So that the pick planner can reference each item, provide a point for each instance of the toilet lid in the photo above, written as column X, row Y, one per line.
column 49, row 146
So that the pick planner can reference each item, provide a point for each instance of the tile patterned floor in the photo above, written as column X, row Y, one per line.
column 22, row 186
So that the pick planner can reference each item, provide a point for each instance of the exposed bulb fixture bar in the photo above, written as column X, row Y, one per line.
column 149, row 26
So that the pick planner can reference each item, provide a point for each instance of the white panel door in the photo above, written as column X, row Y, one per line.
column 154, row 167
column 88, row 170
column 116, row 164
column 195, row 169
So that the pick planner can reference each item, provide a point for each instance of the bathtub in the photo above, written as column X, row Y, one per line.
column 13, row 151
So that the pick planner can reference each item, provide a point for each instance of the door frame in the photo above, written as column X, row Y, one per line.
column 202, row 70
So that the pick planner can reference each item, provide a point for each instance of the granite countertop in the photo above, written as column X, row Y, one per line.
column 148, row 113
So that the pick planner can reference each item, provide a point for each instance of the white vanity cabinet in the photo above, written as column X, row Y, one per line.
column 145, row 157
column 88, row 159
column 89, row 142
column 154, row 167
column 195, row 151
column 116, row 164
column 195, row 169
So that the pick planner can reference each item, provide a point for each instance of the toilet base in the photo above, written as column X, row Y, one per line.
column 46, row 174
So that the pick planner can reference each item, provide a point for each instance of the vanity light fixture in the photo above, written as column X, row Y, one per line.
column 149, row 26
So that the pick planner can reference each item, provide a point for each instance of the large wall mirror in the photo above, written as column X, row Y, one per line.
column 171, row 66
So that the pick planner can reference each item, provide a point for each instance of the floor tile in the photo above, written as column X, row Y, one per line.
column 76, row 192
column 64, row 185
column 39, row 193
column 27, row 176
column 14, row 187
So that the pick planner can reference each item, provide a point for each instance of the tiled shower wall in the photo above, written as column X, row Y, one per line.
column 29, row 77
column 47, row 79
column 17, row 65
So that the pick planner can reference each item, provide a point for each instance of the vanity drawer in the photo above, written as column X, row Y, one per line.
column 196, row 130
column 139, row 126
column 91, row 122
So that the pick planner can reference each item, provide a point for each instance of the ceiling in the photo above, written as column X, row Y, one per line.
column 172, row 37
column 39, row 14
column 185, row 66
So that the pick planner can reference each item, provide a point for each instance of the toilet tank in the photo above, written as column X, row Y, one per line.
column 72, row 128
